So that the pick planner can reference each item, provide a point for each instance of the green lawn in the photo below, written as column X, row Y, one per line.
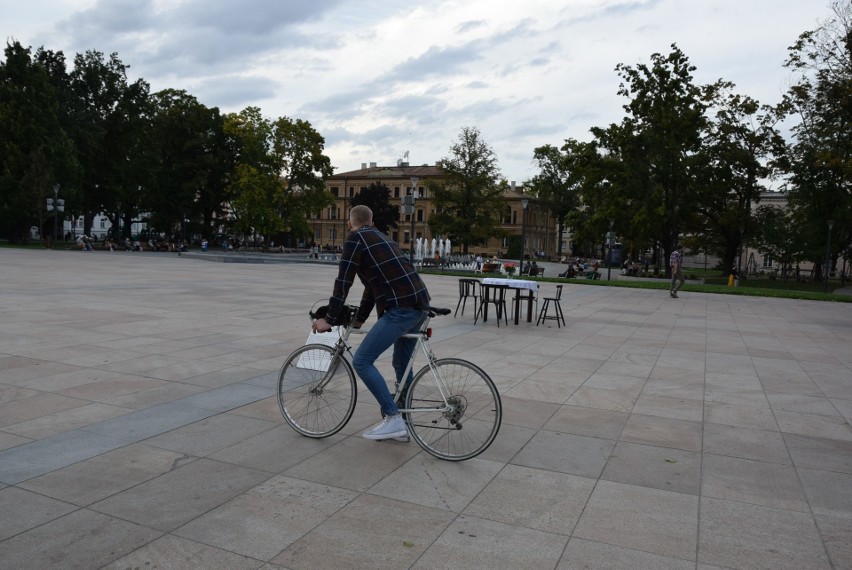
column 754, row 287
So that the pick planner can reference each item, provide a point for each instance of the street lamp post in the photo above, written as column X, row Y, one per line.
column 57, row 206
column 524, row 205
column 828, row 257
column 409, row 208
column 610, row 241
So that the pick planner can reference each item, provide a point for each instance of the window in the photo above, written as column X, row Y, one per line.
column 332, row 234
column 332, row 213
column 103, row 223
column 407, row 237
column 419, row 215
column 334, row 191
column 396, row 192
column 318, row 233
column 767, row 261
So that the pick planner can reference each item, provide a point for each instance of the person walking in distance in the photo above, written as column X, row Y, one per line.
column 395, row 289
column 676, row 263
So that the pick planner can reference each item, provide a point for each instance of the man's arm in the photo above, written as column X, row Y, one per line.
column 346, row 273
column 347, row 270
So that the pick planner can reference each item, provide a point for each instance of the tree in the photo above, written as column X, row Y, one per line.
column 111, row 130
column 660, row 135
column 35, row 152
column 297, row 156
column 255, row 183
column 377, row 197
column 776, row 234
column 739, row 145
column 254, row 206
column 194, row 163
column 280, row 169
column 469, row 200
column 557, row 186
column 820, row 158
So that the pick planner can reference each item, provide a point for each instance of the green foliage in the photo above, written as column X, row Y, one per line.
column 739, row 143
column 656, row 143
column 193, row 163
column 297, row 158
column 35, row 152
column 254, row 206
column 280, row 173
column 820, row 159
column 469, row 200
column 377, row 197
column 563, row 173
column 110, row 126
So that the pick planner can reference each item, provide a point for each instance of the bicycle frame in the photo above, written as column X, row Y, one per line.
column 422, row 338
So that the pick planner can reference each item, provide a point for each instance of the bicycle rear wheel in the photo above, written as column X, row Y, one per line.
column 316, row 391
column 473, row 420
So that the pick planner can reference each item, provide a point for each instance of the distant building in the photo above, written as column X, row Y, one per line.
column 100, row 227
column 329, row 226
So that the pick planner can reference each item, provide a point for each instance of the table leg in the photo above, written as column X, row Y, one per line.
column 530, row 299
column 517, row 303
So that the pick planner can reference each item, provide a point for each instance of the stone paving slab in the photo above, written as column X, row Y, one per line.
column 139, row 428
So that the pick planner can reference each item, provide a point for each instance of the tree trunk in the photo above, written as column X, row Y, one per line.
column 729, row 259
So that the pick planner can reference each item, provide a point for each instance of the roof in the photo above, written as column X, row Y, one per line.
column 403, row 171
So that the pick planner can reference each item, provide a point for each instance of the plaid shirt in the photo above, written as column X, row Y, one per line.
column 675, row 259
column 389, row 278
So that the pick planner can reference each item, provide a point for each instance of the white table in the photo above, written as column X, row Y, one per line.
column 518, row 285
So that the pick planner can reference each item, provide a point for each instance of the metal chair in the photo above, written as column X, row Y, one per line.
column 493, row 295
column 467, row 288
column 559, row 316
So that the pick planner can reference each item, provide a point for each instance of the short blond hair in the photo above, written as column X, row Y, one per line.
column 361, row 216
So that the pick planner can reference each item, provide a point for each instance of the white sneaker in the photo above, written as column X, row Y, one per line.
column 403, row 439
column 389, row 428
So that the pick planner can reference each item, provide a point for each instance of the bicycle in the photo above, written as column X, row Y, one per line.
column 451, row 407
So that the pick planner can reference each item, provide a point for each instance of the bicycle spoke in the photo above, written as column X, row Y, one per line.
column 316, row 391
column 468, row 424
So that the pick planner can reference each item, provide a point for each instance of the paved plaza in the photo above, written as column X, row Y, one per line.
column 139, row 428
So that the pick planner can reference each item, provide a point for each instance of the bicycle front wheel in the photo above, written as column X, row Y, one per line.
column 468, row 424
column 317, row 391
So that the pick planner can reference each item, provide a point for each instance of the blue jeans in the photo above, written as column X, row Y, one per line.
column 394, row 323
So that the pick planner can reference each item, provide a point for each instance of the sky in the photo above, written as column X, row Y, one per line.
column 383, row 78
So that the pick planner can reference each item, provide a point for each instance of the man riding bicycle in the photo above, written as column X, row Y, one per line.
column 394, row 287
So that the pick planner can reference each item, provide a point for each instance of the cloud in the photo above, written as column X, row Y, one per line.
column 236, row 91
column 378, row 79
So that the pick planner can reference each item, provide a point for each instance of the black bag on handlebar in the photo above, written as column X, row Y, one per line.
column 343, row 319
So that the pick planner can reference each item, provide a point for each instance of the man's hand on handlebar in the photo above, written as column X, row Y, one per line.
column 321, row 326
